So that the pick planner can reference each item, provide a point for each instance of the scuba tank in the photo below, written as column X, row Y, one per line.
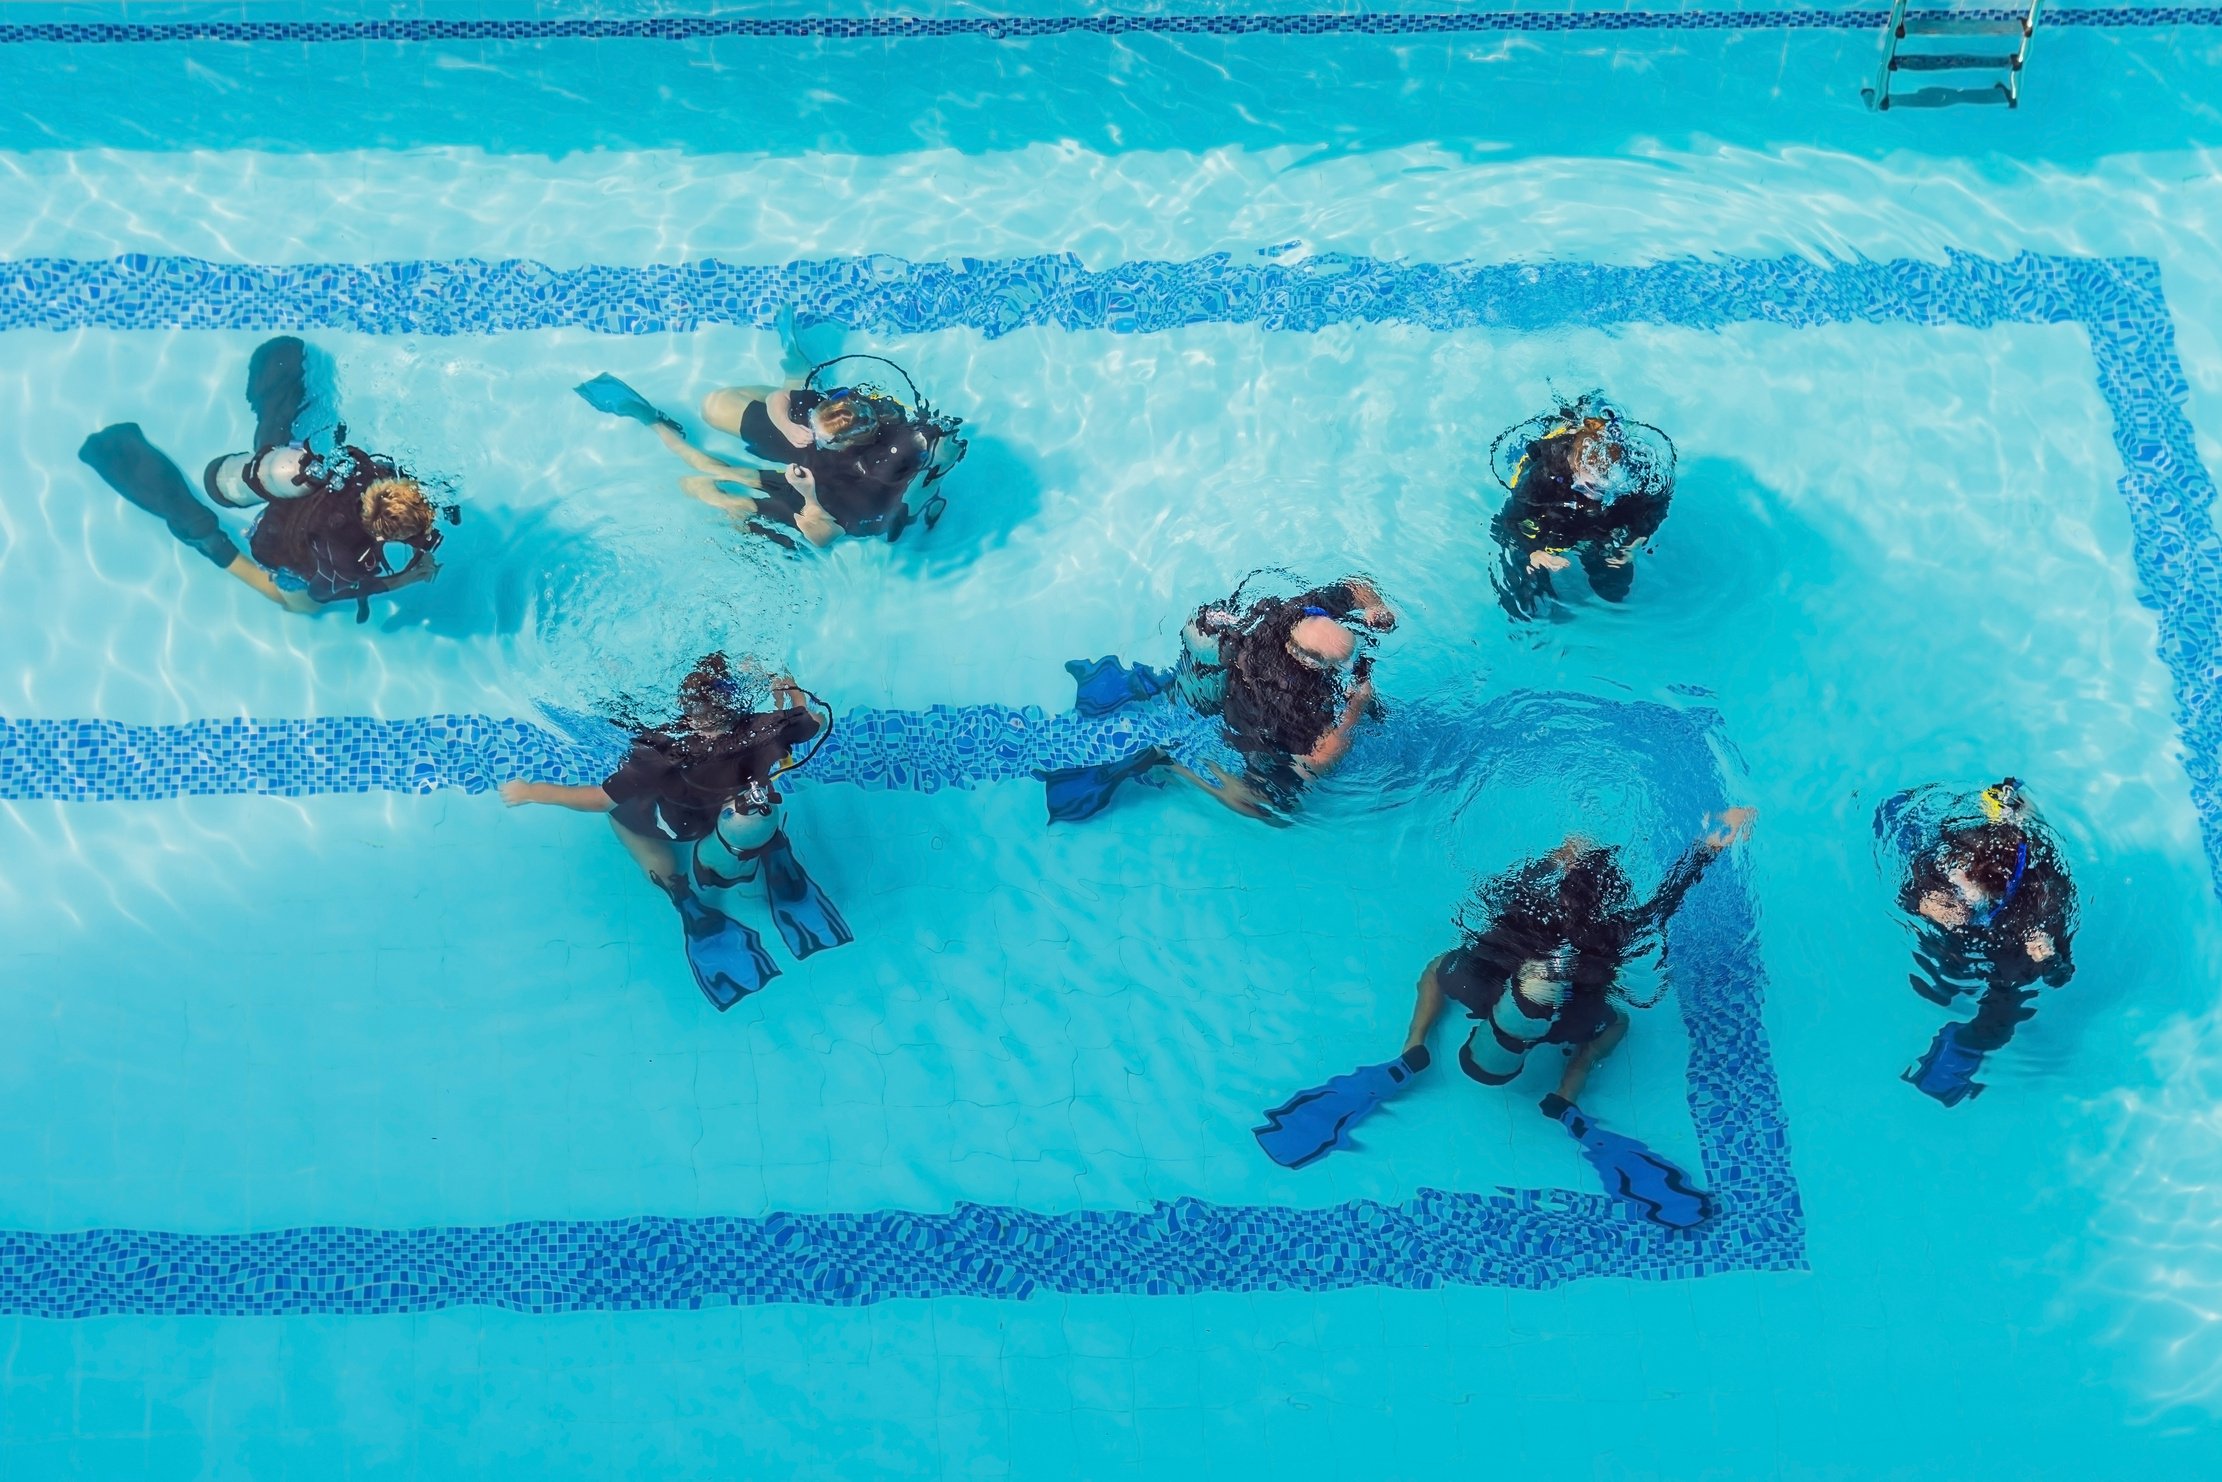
column 244, row 480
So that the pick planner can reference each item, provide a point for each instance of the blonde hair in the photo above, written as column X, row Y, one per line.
column 396, row 509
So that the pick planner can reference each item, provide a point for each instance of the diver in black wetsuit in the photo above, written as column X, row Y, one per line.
column 844, row 459
column 1543, row 964
column 1286, row 678
column 327, row 519
column 1997, row 916
column 1585, row 480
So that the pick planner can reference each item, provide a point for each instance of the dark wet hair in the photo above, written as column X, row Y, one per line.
column 1275, row 700
column 1542, row 905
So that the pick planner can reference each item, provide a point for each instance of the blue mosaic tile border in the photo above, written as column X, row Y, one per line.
column 2117, row 301
column 1531, row 1239
column 1026, row 27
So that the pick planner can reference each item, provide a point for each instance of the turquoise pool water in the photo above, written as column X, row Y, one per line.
column 1912, row 541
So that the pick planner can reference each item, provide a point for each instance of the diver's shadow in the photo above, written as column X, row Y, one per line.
column 994, row 491
column 490, row 571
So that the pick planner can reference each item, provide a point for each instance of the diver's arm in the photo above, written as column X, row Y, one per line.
column 1429, row 1008
column 555, row 794
column 1370, row 607
column 1735, row 823
column 1335, row 745
column 820, row 528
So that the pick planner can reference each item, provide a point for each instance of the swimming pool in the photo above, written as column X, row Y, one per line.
column 355, row 1123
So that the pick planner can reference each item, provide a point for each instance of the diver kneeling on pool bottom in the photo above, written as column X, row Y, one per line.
column 704, row 787
column 1285, row 676
column 1996, row 913
column 327, row 520
column 1583, row 479
column 1544, row 965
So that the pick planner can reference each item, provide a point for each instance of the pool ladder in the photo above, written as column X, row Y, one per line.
column 1928, row 21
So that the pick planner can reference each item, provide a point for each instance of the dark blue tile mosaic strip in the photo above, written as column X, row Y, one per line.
column 1023, row 27
column 2117, row 301
column 1532, row 1238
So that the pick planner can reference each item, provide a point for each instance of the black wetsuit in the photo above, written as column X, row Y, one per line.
column 1533, row 924
column 321, row 541
column 1272, row 731
column 675, row 783
column 1990, row 957
column 1547, row 512
column 861, row 487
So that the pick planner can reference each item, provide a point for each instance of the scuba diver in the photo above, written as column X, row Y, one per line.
column 1288, row 679
column 333, row 526
column 1584, row 480
column 1541, row 965
column 843, row 457
column 1995, row 914
column 697, row 805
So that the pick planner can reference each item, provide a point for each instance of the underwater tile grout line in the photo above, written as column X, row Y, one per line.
column 1520, row 1238
column 1026, row 27
column 2117, row 301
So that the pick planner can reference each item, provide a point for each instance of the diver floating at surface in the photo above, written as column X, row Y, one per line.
column 843, row 457
column 1996, row 913
column 1289, row 678
column 697, row 806
column 327, row 520
column 1583, row 480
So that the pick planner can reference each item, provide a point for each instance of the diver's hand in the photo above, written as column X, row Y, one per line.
column 1735, row 828
column 1620, row 556
column 515, row 793
column 805, row 482
column 2038, row 945
column 1547, row 561
column 1380, row 619
column 1943, row 909
column 423, row 568
column 298, row 601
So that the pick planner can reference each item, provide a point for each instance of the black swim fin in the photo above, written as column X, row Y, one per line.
column 277, row 389
column 728, row 959
column 606, row 393
column 1075, row 793
column 142, row 474
column 807, row 921
column 1105, row 685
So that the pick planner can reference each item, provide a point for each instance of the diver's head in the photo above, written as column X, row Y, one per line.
column 843, row 418
column 396, row 509
column 709, row 697
column 1317, row 641
column 2003, row 801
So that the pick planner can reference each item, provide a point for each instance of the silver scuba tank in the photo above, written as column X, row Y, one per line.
column 244, row 480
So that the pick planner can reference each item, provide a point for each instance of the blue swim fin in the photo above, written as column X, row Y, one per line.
column 728, row 959
column 1311, row 1124
column 807, row 921
column 1947, row 1072
column 1076, row 793
column 1105, row 685
column 1640, row 1178
column 606, row 393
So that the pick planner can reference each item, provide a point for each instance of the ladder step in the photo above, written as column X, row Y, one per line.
column 1946, row 97
column 1948, row 61
column 1945, row 25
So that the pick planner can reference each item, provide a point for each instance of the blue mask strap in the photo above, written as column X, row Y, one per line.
column 1317, row 612
column 2021, row 866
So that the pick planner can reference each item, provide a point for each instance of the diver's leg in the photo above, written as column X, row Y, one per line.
column 696, row 459
column 1586, row 1058
column 1231, row 791
column 1429, row 1007
column 725, row 407
column 653, row 854
column 712, row 491
column 1609, row 578
column 2006, row 1005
